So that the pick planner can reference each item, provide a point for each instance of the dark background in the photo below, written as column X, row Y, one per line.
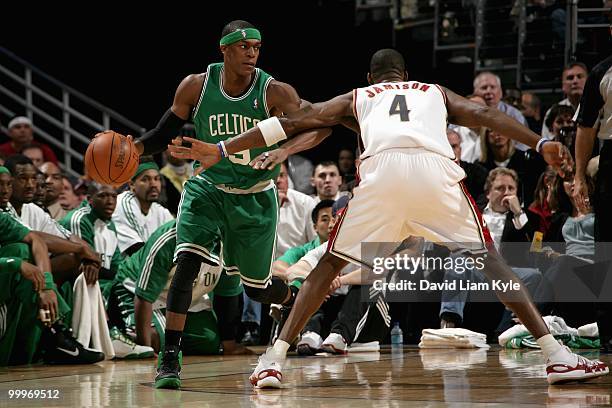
column 133, row 60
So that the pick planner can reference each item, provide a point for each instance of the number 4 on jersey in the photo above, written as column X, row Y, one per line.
column 399, row 107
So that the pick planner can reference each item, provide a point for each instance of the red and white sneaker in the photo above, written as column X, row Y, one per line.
column 335, row 344
column 564, row 366
column 268, row 373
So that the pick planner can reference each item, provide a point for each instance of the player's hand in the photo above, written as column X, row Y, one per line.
column 90, row 272
column 47, row 301
column 231, row 348
column 557, row 155
column 89, row 255
column 512, row 203
column 336, row 283
column 206, row 153
column 138, row 146
column 580, row 193
column 267, row 160
column 33, row 274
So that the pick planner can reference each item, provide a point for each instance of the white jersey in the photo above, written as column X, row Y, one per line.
column 132, row 225
column 399, row 115
column 36, row 219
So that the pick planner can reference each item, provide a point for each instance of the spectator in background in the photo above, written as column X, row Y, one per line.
column 545, row 203
column 346, row 165
column 476, row 174
column 321, row 217
column 294, row 227
column 300, row 170
column 558, row 116
column 55, row 188
column 173, row 175
column 531, row 105
column 326, row 180
column 35, row 153
column 20, row 132
column 488, row 86
column 573, row 78
column 498, row 151
column 470, row 137
column 41, row 191
column 69, row 199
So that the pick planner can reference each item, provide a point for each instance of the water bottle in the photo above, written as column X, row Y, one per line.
column 397, row 336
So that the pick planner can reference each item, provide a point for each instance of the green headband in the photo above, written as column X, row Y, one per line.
column 241, row 34
column 144, row 167
column 4, row 170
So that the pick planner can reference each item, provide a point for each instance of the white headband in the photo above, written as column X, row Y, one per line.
column 20, row 120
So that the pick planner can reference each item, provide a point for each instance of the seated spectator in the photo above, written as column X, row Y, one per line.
column 343, row 318
column 326, row 180
column 498, row 151
column 476, row 174
column 300, row 171
column 35, row 153
column 559, row 116
column 545, row 204
column 569, row 246
column 138, row 213
column 321, row 216
column 139, row 293
column 55, row 188
column 508, row 225
column 20, row 132
column 573, row 79
column 69, row 200
column 40, row 194
column 470, row 137
column 28, row 294
column 294, row 226
column 531, row 105
column 346, row 165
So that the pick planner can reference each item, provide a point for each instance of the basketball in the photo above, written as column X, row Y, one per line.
column 111, row 158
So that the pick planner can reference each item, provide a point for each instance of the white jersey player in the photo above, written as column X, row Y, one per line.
column 409, row 186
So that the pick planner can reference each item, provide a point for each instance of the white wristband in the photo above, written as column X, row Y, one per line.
column 272, row 131
column 540, row 143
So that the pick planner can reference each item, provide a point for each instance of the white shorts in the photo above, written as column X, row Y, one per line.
column 409, row 192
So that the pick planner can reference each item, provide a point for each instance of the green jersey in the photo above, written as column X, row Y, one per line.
column 219, row 116
column 11, row 231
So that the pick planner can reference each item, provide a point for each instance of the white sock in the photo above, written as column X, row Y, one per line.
column 280, row 349
column 549, row 345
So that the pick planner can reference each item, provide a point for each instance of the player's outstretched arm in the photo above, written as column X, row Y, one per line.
column 269, row 131
column 185, row 99
column 466, row 113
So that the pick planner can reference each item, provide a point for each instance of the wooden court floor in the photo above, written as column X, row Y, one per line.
column 390, row 378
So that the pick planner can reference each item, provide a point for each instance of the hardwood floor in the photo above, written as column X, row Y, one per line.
column 391, row 378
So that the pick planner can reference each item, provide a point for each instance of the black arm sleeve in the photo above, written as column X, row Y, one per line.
column 156, row 140
column 227, row 309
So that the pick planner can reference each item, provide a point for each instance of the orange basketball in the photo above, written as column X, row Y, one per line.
column 111, row 158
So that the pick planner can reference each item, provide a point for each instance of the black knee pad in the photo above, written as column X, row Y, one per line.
column 179, row 294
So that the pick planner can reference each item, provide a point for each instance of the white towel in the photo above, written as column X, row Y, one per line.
column 89, row 318
column 452, row 338
column 556, row 325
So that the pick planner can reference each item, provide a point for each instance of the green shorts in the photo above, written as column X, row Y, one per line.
column 245, row 223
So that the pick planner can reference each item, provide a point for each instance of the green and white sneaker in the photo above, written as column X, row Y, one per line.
column 169, row 364
column 125, row 348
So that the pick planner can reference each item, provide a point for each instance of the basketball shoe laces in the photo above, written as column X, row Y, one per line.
column 170, row 362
